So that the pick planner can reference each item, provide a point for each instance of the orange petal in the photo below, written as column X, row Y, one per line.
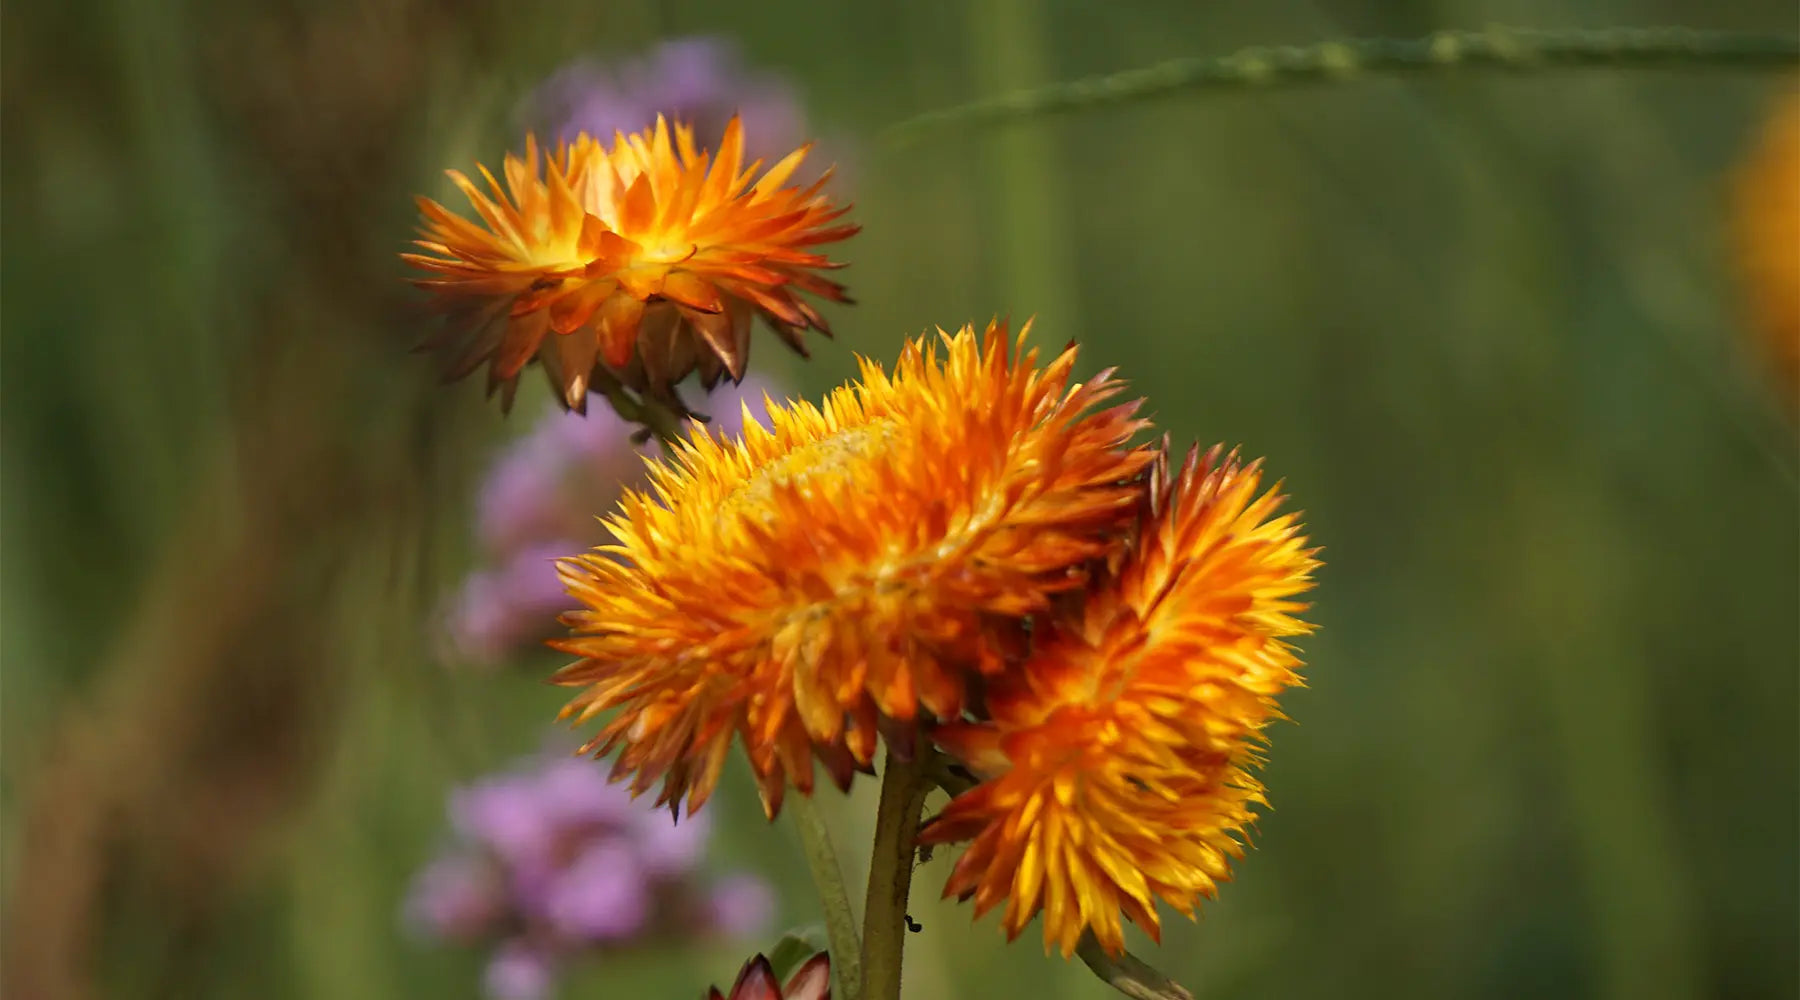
column 665, row 345
column 573, row 310
column 523, row 337
column 692, row 291
column 638, row 210
column 576, row 352
column 608, row 250
column 617, row 328
column 644, row 281
column 714, row 330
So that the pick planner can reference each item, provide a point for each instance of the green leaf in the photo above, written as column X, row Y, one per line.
column 794, row 948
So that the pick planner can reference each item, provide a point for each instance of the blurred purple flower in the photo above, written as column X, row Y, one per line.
column 700, row 80
column 575, row 793
column 522, row 497
column 506, row 815
column 740, row 906
column 535, row 490
column 603, row 896
column 552, row 862
column 519, row 971
column 542, row 499
column 457, row 898
column 503, row 609
column 671, row 847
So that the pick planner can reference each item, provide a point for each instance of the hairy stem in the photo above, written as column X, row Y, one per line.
column 1505, row 50
column 828, row 878
column 903, row 787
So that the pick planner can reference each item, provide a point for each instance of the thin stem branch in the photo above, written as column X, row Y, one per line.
column 656, row 417
column 1129, row 974
column 1506, row 50
column 952, row 779
column 903, row 787
column 834, row 898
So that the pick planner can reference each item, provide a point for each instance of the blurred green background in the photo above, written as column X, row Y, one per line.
column 1484, row 328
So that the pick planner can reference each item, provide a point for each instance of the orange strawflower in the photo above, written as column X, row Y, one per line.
column 844, row 571
column 1767, row 217
column 1116, row 761
column 649, row 259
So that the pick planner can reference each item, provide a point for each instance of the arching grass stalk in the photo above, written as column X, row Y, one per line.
column 1506, row 50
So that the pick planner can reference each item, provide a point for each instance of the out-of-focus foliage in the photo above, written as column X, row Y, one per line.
column 1485, row 329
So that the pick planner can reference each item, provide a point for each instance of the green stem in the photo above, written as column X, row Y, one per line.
column 903, row 787
column 828, row 878
column 658, row 418
column 954, row 783
column 1506, row 50
column 1129, row 974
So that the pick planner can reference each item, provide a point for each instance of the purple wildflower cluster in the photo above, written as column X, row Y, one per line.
column 542, row 500
column 698, row 80
column 553, row 863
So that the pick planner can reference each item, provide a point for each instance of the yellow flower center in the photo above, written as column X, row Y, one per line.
column 829, row 459
column 542, row 249
column 666, row 248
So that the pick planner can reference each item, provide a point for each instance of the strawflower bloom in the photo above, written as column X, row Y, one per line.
column 1767, row 223
column 757, row 981
column 639, row 263
column 1116, row 761
column 553, row 863
column 847, row 570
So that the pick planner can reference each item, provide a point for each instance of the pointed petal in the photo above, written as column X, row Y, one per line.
column 714, row 331
column 812, row 981
column 756, row 982
column 638, row 211
column 692, row 291
column 616, row 326
column 576, row 353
